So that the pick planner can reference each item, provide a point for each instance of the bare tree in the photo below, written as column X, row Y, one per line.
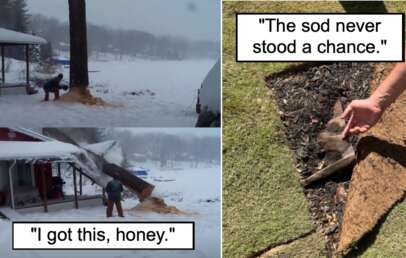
column 79, row 76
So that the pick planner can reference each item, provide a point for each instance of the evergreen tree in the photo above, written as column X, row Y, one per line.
column 21, row 15
column 6, row 17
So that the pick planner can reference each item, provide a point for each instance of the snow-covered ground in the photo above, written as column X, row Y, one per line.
column 194, row 190
column 152, row 92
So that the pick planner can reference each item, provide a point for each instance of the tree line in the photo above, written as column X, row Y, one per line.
column 15, row 16
column 125, row 42
column 166, row 149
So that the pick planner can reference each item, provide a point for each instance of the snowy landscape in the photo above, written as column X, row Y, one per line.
column 128, row 68
column 186, row 178
column 144, row 92
column 136, row 81
column 193, row 190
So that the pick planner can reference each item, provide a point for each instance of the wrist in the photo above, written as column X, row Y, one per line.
column 379, row 101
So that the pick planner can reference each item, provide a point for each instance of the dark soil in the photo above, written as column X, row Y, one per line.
column 306, row 96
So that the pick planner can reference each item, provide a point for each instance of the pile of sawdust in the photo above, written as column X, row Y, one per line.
column 157, row 205
column 83, row 96
column 379, row 179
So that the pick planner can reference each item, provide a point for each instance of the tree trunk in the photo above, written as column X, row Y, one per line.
column 140, row 187
column 79, row 76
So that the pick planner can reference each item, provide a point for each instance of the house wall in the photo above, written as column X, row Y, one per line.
column 7, row 134
column 4, row 180
column 4, row 183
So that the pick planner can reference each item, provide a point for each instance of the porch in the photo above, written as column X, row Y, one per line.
column 53, row 205
column 68, row 202
column 31, row 178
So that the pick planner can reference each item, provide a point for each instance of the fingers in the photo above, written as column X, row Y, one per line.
column 359, row 129
column 347, row 112
column 348, row 126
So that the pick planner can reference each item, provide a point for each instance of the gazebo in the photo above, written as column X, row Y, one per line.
column 14, row 38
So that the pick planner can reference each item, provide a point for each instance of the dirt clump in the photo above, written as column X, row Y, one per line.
column 157, row 205
column 83, row 96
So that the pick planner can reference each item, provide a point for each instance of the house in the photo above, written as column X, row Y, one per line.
column 14, row 38
column 31, row 175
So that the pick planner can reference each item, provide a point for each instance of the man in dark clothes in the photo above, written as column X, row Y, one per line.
column 54, row 86
column 114, row 189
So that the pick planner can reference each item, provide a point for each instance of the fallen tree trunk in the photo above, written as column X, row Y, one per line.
column 140, row 187
column 135, row 184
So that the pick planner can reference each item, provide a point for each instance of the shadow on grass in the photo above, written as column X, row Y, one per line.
column 364, row 7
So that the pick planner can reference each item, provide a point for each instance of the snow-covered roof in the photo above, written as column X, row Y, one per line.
column 32, row 133
column 16, row 150
column 14, row 37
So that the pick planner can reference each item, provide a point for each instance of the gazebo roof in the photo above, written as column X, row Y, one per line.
column 10, row 37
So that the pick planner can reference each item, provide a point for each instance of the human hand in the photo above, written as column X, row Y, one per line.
column 361, row 115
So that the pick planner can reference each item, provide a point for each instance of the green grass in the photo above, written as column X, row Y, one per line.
column 263, row 203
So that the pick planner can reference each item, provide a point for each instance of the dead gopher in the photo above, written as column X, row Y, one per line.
column 331, row 138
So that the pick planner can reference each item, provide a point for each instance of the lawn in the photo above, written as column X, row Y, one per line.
column 263, row 203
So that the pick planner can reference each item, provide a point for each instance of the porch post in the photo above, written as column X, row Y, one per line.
column 44, row 192
column 27, row 60
column 3, row 68
column 75, row 188
column 59, row 169
column 80, row 184
column 10, row 176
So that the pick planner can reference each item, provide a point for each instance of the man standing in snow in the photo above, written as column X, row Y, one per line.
column 53, row 86
column 114, row 189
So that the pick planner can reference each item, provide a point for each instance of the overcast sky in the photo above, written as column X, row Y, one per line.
column 194, row 19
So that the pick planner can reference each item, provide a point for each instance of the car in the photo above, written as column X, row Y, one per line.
column 208, row 104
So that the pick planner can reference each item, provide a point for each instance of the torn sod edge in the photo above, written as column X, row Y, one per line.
column 352, row 250
column 288, row 241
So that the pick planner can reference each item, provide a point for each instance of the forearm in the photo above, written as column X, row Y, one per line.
column 391, row 87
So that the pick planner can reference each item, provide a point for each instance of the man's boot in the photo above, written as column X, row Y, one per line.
column 119, row 209
column 109, row 210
